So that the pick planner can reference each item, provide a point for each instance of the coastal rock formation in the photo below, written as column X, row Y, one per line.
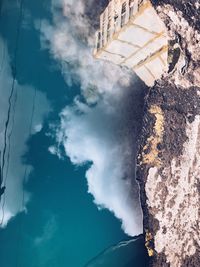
column 168, row 164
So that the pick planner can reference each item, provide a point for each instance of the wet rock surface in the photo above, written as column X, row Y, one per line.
column 168, row 164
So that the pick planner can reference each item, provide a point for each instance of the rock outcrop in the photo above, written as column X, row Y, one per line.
column 168, row 168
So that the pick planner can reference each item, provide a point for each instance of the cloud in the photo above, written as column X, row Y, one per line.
column 19, row 131
column 70, row 40
column 38, row 128
column 104, row 137
column 101, row 127
column 48, row 233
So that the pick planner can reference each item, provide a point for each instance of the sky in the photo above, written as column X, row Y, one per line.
column 69, row 161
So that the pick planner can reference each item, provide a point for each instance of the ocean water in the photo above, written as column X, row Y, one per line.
column 125, row 254
column 61, row 226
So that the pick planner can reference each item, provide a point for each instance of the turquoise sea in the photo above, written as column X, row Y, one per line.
column 54, row 221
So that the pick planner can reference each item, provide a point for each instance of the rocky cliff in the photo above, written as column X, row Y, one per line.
column 168, row 164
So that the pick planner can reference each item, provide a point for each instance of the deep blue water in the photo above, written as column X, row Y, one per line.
column 62, row 226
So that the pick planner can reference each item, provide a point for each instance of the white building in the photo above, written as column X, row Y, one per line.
column 132, row 34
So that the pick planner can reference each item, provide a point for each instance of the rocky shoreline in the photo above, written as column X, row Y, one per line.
column 168, row 161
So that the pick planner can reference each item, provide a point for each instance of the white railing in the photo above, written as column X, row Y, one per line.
column 133, row 7
column 114, row 18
